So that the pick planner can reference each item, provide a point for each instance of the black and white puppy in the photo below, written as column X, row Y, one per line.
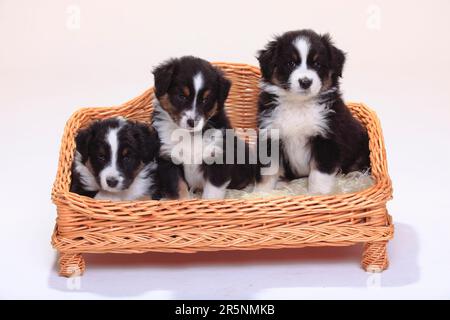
column 190, row 96
column 300, row 97
column 115, row 160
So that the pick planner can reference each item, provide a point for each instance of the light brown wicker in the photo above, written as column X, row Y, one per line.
column 85, row 225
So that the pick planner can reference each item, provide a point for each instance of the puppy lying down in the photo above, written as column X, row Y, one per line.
column 345, row 183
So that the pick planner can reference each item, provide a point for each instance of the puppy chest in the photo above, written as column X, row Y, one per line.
column 193, row 176
column 299, row 121
column 297, row 152
column 297, row 125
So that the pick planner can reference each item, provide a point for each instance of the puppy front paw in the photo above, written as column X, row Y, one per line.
column 321, row 183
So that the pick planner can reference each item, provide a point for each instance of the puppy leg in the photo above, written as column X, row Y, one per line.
column 211, row 191
column 170, row 180
column 321, row 182
column 270, row 165
column 217, row 177
column 323, row 166
column 266, row 184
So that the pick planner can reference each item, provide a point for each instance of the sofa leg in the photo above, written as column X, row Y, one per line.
column 375, row 257
column 71, row 264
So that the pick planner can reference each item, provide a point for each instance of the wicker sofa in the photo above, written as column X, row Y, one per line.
column 85, row 225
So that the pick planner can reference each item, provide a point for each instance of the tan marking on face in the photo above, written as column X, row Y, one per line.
column 274, row 78
column 186, row 91
column 165, row 103
column 183, row 190
column 211, row 113
column 316, row 56
column 206, row 94
column 326, row 84
column 138, row 169
column 89, row 166
column 125, row 152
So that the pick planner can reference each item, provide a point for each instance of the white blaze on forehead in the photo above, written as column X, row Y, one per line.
column 302, row 45
column 113, row 142
column 111, row 169
column 198, row 82
column 198, row 85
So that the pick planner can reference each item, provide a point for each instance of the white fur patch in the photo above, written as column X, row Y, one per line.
column 198, row 82
column 138, row 189
column 87, row 179
column 111, row 170
column 266, row 184
column 302, row 71
column 193, row 176
column 321, row 183
column 297, row 121
column 211, row 191
column 164, row 124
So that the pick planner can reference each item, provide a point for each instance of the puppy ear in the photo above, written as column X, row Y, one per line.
column 267, row 58
column 83, row 139
column 337, row 55
column 223, row 88
column 148, row 141
column 163, row 76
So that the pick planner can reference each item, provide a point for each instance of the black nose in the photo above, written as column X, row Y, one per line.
column 305, row 83
column 191, row 123
column 112, row 182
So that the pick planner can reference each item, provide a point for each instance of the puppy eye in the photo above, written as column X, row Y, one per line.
column 101, row 158
column 291, row 64
column 317, row 65
column 182, row 97
column 204, row 100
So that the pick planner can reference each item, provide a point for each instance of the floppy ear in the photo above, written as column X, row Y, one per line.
column 337, row 55
column 163, row 76
column 148, row 141
column 223, row 88
column 83, row 139
column 267, row 58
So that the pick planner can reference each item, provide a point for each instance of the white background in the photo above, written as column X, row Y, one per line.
column 398, row 63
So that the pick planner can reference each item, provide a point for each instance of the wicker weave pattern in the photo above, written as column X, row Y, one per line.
column 88, row 225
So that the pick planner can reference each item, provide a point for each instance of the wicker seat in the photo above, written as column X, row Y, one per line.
column 86, row 225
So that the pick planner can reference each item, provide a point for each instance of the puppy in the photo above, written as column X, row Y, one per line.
column 193, row 128
column 115, row 160
column 300, row 97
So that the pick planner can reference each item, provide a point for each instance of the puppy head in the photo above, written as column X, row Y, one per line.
column 116, row 150
column 302, row 62
column 191, row 90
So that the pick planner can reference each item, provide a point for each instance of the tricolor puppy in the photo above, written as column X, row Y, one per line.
column 300, row 97
column 115, row 160
column 189, row 106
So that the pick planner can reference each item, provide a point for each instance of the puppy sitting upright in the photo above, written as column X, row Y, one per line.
column 318, row 136
column 115, row 160
column 190, row 118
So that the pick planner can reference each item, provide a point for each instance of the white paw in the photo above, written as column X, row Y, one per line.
column 266, row 185
column 211, row 191
column 321, row 183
